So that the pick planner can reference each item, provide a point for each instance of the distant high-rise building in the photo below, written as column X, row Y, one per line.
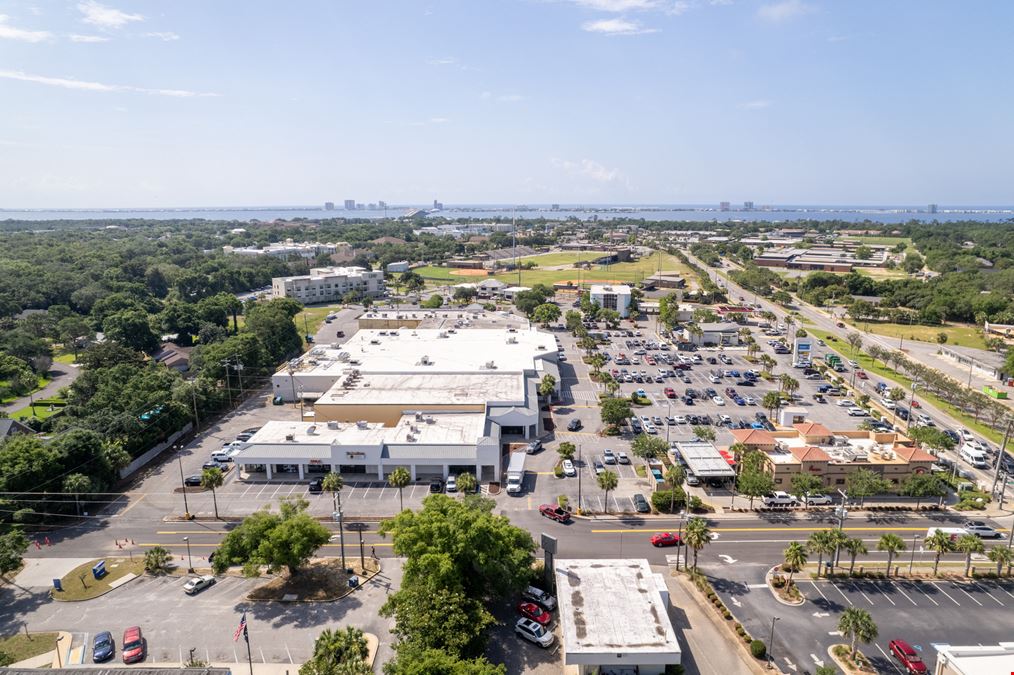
column 932, row 208
column 382, row 204
column 350, row 204
column 329, row 206
column 748, row 206
column 371, row 206
column 438, row 205
column 554, row 207
column 359, row 206
column 723, row 206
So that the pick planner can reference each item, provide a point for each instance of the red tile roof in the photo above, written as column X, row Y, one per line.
column 753, row 436
column 812, row 429
column 809, row 453
column 912, row 454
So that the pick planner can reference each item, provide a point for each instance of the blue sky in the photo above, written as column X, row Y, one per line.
column 255, row 102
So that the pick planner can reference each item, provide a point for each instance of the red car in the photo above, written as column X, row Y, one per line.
column 908, row 657
column 554, row 512
column 916, row 404
column 530, row 610
column 133, row 645
column 861, row 375
column 665, row 539
column 670, row 392
column 649, row 360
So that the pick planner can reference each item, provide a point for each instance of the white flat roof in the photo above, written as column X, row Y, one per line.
column 617, row 289
column 465, row 350
column 429, row 388
column 445, row 429
column 613, row 607
column 979, row 659
column 705, row 461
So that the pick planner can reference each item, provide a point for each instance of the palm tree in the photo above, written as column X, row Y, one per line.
column 969, row 544
column 674, row 476
column 694, row 331
column 940, row 542
column 697, row 535
column 857, row 625
column 333, row 483
column 767, row 362
column 467, row 482
column 788, row 383
column 855, row 547
column 821, row 542
column 1001, row 555
column 334, row 648
column 212, row 479
column 771, row 402
column 751, row 348
column 891, row 544
column 607, row 480
column 399, row 478
column 795, row 558
column 596, row 361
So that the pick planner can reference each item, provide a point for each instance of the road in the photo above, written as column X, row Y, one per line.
column 824, row 322
column 62, row 374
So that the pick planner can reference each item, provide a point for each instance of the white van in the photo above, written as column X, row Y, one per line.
column 974, row 456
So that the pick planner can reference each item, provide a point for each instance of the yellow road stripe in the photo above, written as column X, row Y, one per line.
column 193, row 545
column 192, row 532
column 135, row 503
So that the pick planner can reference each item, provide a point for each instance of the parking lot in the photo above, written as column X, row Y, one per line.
column 921, row 613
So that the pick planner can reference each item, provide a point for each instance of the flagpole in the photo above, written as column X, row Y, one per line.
column 249, row 658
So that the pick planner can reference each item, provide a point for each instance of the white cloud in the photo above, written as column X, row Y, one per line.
column 759, row 104
column 680, row 7
column 9, row 32
column 439, row 120
column 167, row 36
column 783, row 10
column 510, row 98
column 591, row 169
column 103, row 16
column 618, row 5
column 444, row 61
column 88, row 38
column 69, row 83
column 618, row 26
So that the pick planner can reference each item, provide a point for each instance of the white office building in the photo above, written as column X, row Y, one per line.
column 612, row 296
column 329, row 284
column 614, row 615
column 289, row 248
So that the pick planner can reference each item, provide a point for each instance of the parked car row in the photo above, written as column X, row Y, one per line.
column 535, row 625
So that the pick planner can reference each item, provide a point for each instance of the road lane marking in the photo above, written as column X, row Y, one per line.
column 798, row 529
column 890, row 660
column 191, row 532
column 131, row 505
column 937, row 586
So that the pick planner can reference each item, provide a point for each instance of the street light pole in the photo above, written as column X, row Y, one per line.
column 999, row 463
column 190, row 560
column 679, row 535
column 581, row 465
column 911, row 561
column 179, row 461
column 771, row 641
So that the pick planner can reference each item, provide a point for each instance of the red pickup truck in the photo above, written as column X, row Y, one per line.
column 555, row 512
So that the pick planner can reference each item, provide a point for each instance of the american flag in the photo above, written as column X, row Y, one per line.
column 241, row 629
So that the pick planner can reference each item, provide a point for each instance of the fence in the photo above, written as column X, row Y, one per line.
column 154, row 452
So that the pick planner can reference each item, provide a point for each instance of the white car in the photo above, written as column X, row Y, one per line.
column 452, row 484
column 650, row 428
column 533, row 632
column 750, row 400
column 856, row 412
column 925, row 420
column 853, row 364
column 195, row 585
column 817, row 500
column 622, row 458
column 982, row 530
column 846, row 403
column 966, row 435
column 568, row 468
column 890, row 405
column 714, row 379
column 718, row 400
column 681, row 419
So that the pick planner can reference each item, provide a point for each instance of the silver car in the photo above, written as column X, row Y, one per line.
column 533, row 632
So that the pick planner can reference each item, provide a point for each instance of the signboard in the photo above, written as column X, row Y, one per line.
column 803, row 350
column 548, row 543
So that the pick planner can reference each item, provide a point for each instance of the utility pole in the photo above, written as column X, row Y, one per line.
column 581, row 465
column 771, row 641
column 228, row 389
column 183, row 484
column 999, row 463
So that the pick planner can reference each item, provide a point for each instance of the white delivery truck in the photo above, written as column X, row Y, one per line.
column 516, row 473
column 953, row 532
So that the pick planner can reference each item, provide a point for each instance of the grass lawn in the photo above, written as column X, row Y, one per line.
column 880, row 273
column 64, row 357
column 630, row 272
column 957, row 334
column 20, row 647
column 439, row 274
column 73, row 589
column 39, row 412
column 887, row 373
column 561, row 258
column 310, row 319
column 884, row 241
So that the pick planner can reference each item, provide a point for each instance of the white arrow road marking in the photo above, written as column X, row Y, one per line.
column 816, row 661
column 821, row 614
column 713, row 536
column 792, row 666
column 736, row 602
column 834, row 632
column 727, row 558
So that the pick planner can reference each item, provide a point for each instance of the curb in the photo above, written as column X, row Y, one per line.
column 349, row 591
column 774, row 591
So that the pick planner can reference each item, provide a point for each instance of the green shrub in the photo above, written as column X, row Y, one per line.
column 563, row 501
column 558, row 471
column 663, row 499
column 758, row 649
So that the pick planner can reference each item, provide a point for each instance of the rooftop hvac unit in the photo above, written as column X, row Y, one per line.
column 441, row 334
column 415, row 429
column 290, row 437
column 374, row 342
column 429, row 419
column 332, row 425
column 512, row 340
column 312, row 429
column 490, row 364
column 363, row 424
column 425, row 361
column 410, row 438
column 887, row 454
column 418, row 415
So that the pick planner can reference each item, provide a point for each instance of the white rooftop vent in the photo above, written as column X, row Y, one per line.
column 410, row 438
column 512, row 340
column 332, row 425
column 418, row 415
column 425, row 361
column 363, row 424
column 491, row 365
column 312, row 429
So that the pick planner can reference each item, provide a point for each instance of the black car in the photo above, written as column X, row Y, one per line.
column 192, row 481
column 574, row 425
column 706, row 419
column 745, row 383
column 641, row 504
column 316, row 486
column 712, row 360
column 103, row 647
column 436, row 485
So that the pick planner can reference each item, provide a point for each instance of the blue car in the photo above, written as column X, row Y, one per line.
column 103, row 647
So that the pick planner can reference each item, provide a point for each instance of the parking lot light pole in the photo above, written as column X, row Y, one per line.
column 580, row 466
column 679, row 535
column 179, row 461
column 911, row 561
column 771, row 642
column 190, row 560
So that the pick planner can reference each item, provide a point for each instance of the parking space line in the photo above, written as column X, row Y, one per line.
column 902, row 591
column 263, row 488
column 1002, row 588
column 248, row 488
column 881, row 591
column 847, row 599
column 937, row 586
column 970, row 597
column 816, row 588
column 863, row 593
column 890, row 660
column 289, row 653
column 989, row 594
column 276, row 491
column 927, row 595
column 366, row 492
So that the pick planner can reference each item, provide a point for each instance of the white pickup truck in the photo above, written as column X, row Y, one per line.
column 779, row 499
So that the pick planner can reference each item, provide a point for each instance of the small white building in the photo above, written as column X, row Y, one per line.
column 397, row 267
column 329, row 284
column 612, row 296
column 790, row 415
column 715, row 334
column 510, row 292
column 614, row 616
column 975, row 660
